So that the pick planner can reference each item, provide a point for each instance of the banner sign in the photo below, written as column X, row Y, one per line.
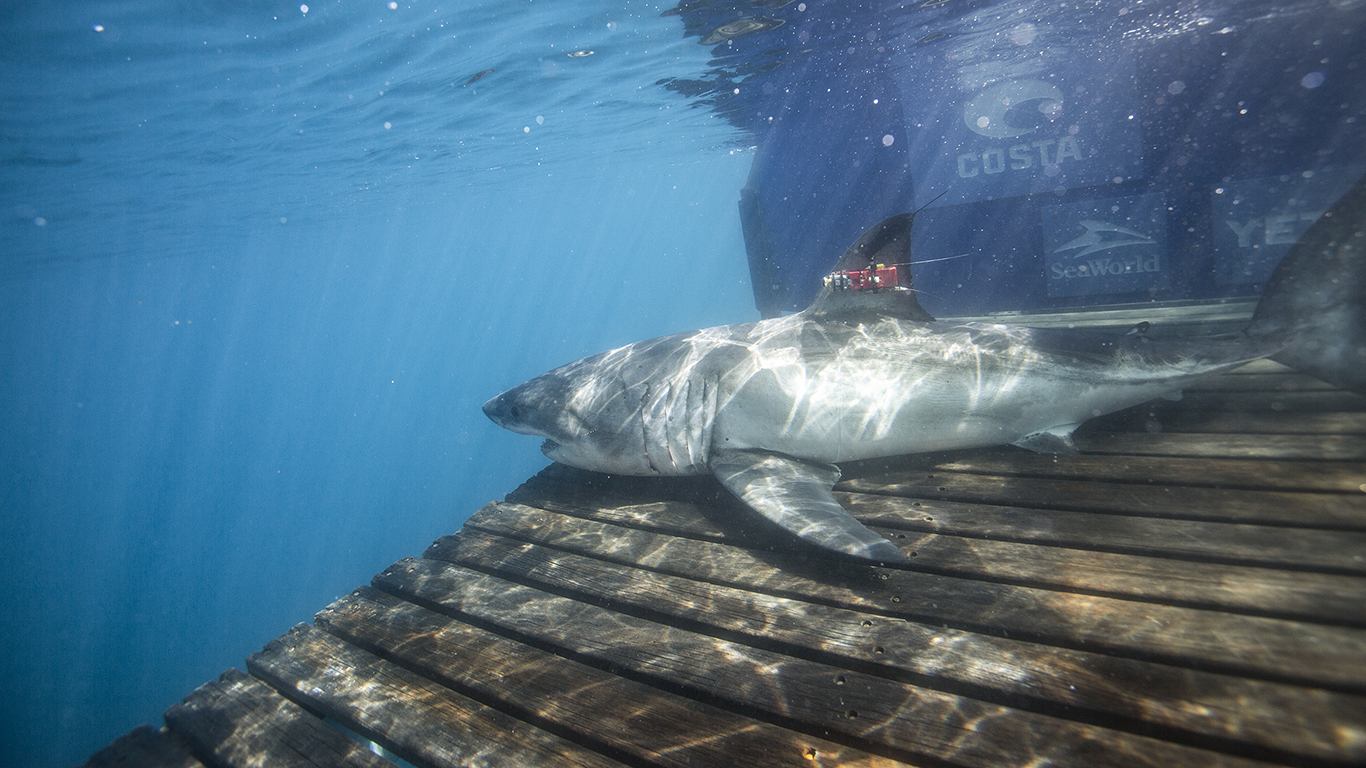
column 1041, row 132
column 1256, row 221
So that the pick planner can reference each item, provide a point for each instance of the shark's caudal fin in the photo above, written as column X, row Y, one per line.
column 1314, row 305
column 795, row 494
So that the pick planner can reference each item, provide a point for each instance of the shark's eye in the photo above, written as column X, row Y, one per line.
column 515, row 413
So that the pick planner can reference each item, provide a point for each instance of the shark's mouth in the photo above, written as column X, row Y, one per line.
column 548, row 446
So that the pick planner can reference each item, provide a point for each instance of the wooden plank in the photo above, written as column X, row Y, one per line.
column 1342, row 552
column 1271, row 649
column 902, row 719
column 1331, row 511
column 145, row 747
column 1170, row 417
column 416, row 719
column 1341, row 477
column 1174, row 417
column 238, row 720
column 640, row 722
column 1239, row 446
column 1325, row 551
column 997, row 669
column 1261, row 591
column 1274, row 402
column 1184, row 319
column 1284, row 380
column 927, row 477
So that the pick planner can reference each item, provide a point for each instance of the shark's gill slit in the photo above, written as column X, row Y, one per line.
column 643, row 410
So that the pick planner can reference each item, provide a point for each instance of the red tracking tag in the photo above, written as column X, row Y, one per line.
column 875, row 278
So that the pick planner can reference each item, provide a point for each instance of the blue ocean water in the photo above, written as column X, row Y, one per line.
column 261, row 262
column 258, row 269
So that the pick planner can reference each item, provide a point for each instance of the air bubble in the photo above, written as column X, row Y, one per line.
column 1024, row 34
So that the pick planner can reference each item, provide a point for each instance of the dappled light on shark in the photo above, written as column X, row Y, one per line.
column 771, row 407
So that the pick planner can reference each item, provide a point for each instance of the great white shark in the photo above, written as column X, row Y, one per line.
column 771, row 407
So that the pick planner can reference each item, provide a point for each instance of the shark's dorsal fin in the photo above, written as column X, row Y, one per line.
column 887, row 243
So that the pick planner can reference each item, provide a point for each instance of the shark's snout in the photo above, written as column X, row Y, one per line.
column 517, row 410
column 505, row 412
column 493, row 409
column 535, row 407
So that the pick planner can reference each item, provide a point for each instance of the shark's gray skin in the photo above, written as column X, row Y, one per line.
column 771, row 407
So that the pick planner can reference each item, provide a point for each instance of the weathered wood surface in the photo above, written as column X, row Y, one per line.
column 1251, row 381
column 408, row 713
column 1327, row 656
column 1188, row 590
column 239, row 720
column 1172, row 418
column 617, row 715
column 806, row 614
column 145, row 746
column 1167, row 319
column 1161, row 497
column 1327, row 598
column 903, row 719
column 1256, row 474
column 1313, row 447
column 1273, row 401
column 1327, row 551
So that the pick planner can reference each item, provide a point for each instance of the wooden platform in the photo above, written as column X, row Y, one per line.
column 1191, row 590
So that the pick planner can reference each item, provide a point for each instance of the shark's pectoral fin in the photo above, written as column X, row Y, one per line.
column 795, row 494
column 1053, row 441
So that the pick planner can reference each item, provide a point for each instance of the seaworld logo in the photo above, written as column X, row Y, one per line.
column 1011, row 110
column 1098, row 238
